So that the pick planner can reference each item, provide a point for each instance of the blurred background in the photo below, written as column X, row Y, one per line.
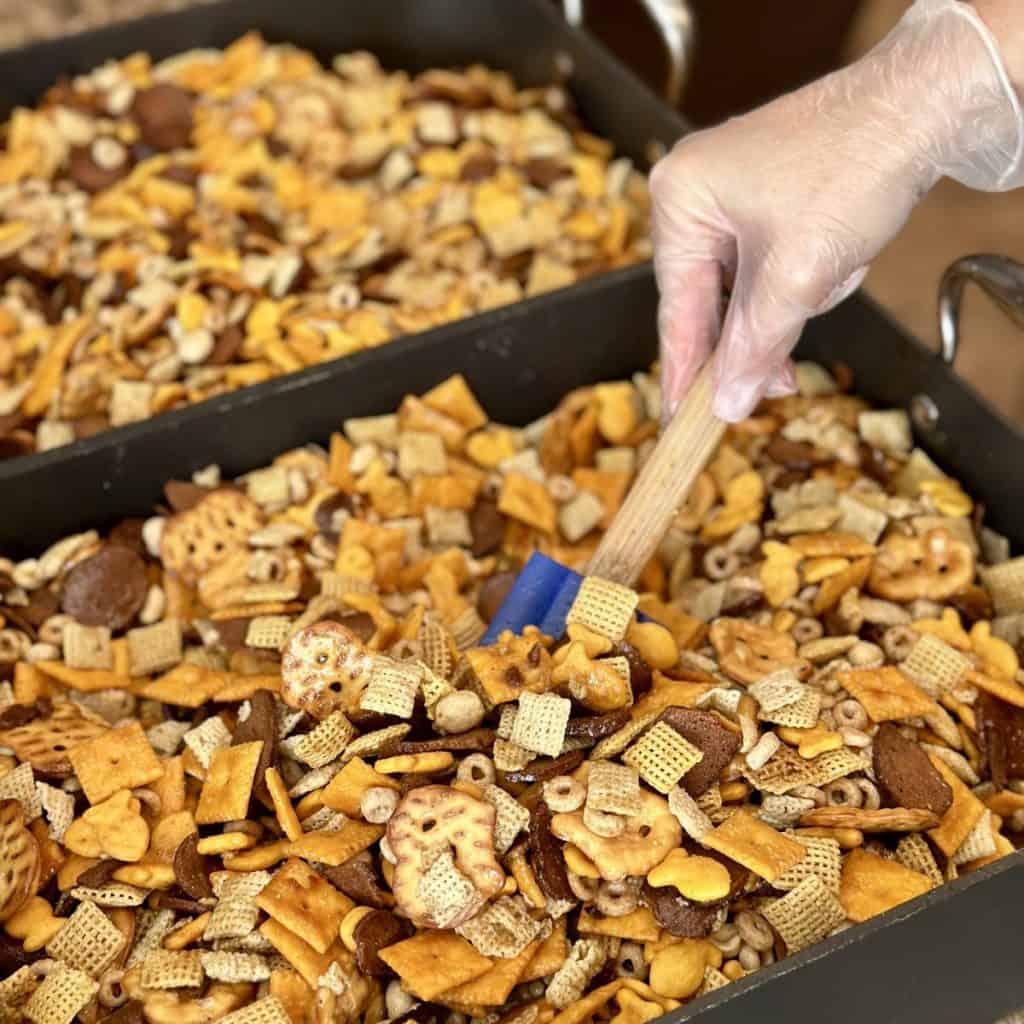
column 747, row 52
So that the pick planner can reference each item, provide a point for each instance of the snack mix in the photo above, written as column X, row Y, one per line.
column 258, row 767
column 176, row 231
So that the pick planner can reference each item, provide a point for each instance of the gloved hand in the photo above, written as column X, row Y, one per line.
column 788, row 205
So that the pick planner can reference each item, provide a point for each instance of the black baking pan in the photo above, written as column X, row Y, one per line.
column 948, row 957
column 528, row 38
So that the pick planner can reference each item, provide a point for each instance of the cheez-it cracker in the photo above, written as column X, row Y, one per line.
column 297, row 783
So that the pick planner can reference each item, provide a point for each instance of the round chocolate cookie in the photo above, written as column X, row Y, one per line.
column 106, row 589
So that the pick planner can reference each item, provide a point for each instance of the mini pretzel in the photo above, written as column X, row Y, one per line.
column 934, row 566
column 427, row 820
column 749, row 652
column 325, row 668
column 644, row 843
column 196, row 540
column 19, row 859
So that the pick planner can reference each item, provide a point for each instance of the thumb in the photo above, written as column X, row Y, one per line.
column 689, row 316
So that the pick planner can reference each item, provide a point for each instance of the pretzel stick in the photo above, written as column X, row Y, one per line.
column 662, row 487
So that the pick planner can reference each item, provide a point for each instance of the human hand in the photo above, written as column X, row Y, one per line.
column 788, row 205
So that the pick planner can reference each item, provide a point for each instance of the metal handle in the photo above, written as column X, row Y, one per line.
column 999, row 276
column 675, row 23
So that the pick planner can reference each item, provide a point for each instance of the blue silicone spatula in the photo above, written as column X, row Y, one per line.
column 544, row 591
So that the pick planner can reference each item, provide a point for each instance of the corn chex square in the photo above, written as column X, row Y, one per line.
column 777, row 690
column 165, row 737
column 801, row 714
column 934, row 665
column 269, row 632
column 20, row 785
column 232, row 918
column 783, row 811
column 17, row 987
column 805, row 915
column 209, row 736
column 64, row 992
column 823, row 858
column 222, row 965
column 112, row 894
column 604, row 607
column 662, row 757
column 835, row 764
column 269, row 1010
column 165, row 968
column 433, row 687
column 87, row 647
column 511, row 817
column 234, row 885
column 504, row 929
column 711, row 799
column 468, row 629
column 860, row 519
column 420, row 453
column 59, row 808
column 154, row 648
column 613, row 788
column 436, row 644
column 446, row 892
column 510, row 757
column 151, row 928
column 714, row 979
column 980, row 842
column 379, row 743
column 612, row 746
column 541, row 722
column 392, row 689
column 785, row 770
column 1005, row 584
column 89, row 942
column 506, row 722
column 322, row 744
column 913, row 852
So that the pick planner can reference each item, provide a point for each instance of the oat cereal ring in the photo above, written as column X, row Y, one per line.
column 564, row 794
column 196, row 540
column 934, row 566
column 603, row 823
column 325, row 668
column 428, row 820
column 476, row 768
column 584, row 889
column 616, row 899
column 646, row 841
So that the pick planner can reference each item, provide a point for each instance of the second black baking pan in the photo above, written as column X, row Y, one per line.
column 950, row 956
column 527, row 38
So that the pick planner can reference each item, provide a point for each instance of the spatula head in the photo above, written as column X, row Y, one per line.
column 541, row 596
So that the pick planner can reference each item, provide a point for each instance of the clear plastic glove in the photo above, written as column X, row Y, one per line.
column 788, row 205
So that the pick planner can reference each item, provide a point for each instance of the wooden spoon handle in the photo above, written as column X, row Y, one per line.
column 662, row 486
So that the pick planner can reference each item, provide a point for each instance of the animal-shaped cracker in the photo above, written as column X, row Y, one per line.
column 325, row 668
column 429, row 820
column 645, row 842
